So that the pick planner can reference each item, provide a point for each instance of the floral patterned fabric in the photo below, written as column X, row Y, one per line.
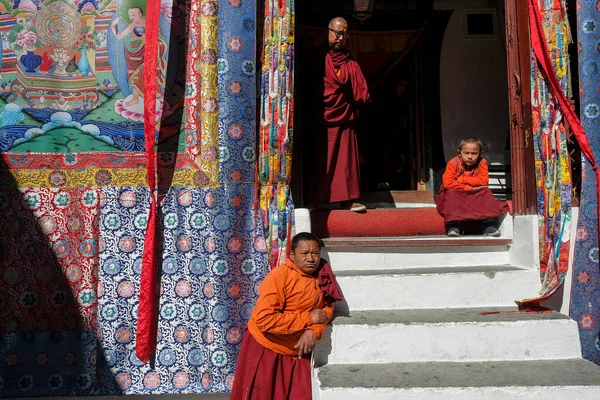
column 210, row 262
column 73, row 216
column 585, row 291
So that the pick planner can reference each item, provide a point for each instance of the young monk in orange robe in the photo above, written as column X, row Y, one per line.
column 464, row 194
column 294, row 306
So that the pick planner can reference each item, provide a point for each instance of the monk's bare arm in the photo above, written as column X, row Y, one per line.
column 125, row 32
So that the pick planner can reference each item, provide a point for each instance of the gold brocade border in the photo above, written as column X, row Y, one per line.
column 209, row 108
column 93, row 177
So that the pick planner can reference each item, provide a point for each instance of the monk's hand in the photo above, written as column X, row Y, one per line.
column 306, row 343
column 479, row 187
column 318, row 316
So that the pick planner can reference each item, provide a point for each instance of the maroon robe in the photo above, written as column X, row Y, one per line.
column 262, row 374
column 345, row 91
column 457, row 205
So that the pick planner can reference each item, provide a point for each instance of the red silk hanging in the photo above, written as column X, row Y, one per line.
column 149, row 289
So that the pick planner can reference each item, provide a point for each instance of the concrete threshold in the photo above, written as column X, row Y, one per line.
column 535, row 373
column 443, row 315
column 415, row 241
column 485, row 269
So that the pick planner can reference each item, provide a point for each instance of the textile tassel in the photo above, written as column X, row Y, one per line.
column 148, row 307
column 542, row 54
column 276, row 125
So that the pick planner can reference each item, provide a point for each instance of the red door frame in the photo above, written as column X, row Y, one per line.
column 518, row 54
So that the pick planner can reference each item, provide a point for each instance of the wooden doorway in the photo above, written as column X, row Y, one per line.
column 424, row 143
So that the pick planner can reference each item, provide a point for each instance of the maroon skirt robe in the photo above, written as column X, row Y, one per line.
column 458, row 205
column 345, row 91
column 262, row 374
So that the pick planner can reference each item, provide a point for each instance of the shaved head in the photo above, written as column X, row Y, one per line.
column 337, row 20
column 338, row 33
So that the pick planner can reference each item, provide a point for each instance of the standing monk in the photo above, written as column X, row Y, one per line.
column 344, row 91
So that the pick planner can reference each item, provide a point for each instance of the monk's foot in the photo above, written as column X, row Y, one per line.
column 358, row 207
column 352, row 206
column 491, row 230
column 454, row 231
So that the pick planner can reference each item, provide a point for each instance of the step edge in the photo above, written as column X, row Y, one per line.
column 407, row 242
column 445, row 363
column 428, row 270
column 344, row 320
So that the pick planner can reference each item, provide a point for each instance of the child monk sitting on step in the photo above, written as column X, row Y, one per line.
column 464, row 194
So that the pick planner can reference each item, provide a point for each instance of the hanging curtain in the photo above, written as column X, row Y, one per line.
column 553, row 177
column 276, row 127
column 585, row 290
column 130, row 293
column 550, row 36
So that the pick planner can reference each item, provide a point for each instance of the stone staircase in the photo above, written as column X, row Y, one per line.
column 435, row 318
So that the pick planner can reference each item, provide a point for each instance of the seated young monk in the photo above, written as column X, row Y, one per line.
column 294, row 306
column 464, row 195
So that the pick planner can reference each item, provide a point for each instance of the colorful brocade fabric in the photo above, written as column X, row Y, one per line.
column 74, row 198
column 276, row 127
column 553, row 177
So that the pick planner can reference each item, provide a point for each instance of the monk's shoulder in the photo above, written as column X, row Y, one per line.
column 454, row 162
column 280, row 274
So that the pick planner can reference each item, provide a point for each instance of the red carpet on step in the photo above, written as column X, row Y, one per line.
column 377, row 223
column 385, row 222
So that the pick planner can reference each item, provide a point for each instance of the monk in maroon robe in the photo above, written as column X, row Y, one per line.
column 344, row 91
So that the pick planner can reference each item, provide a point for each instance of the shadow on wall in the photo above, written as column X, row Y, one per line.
column 48, row 344
column 171, row 139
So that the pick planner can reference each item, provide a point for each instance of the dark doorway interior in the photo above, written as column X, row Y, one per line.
column 398, row 48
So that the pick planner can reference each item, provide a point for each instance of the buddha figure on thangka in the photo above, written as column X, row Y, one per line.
column 71, row 74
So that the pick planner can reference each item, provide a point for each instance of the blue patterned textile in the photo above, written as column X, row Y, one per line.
column 585, row 292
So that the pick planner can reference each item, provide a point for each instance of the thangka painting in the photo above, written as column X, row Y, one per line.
column 72, row 74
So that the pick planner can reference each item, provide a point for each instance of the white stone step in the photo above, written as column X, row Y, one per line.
column 442, row 287
column 414, row 252
column 448, row 335
column 534, row 380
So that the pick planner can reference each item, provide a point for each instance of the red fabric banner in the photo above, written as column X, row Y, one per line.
column 148, row 307
column 540, row 49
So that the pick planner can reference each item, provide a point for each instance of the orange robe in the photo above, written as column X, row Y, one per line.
column 455, row 176
column 457, row 201
column 268, row 367
column 282, row 311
